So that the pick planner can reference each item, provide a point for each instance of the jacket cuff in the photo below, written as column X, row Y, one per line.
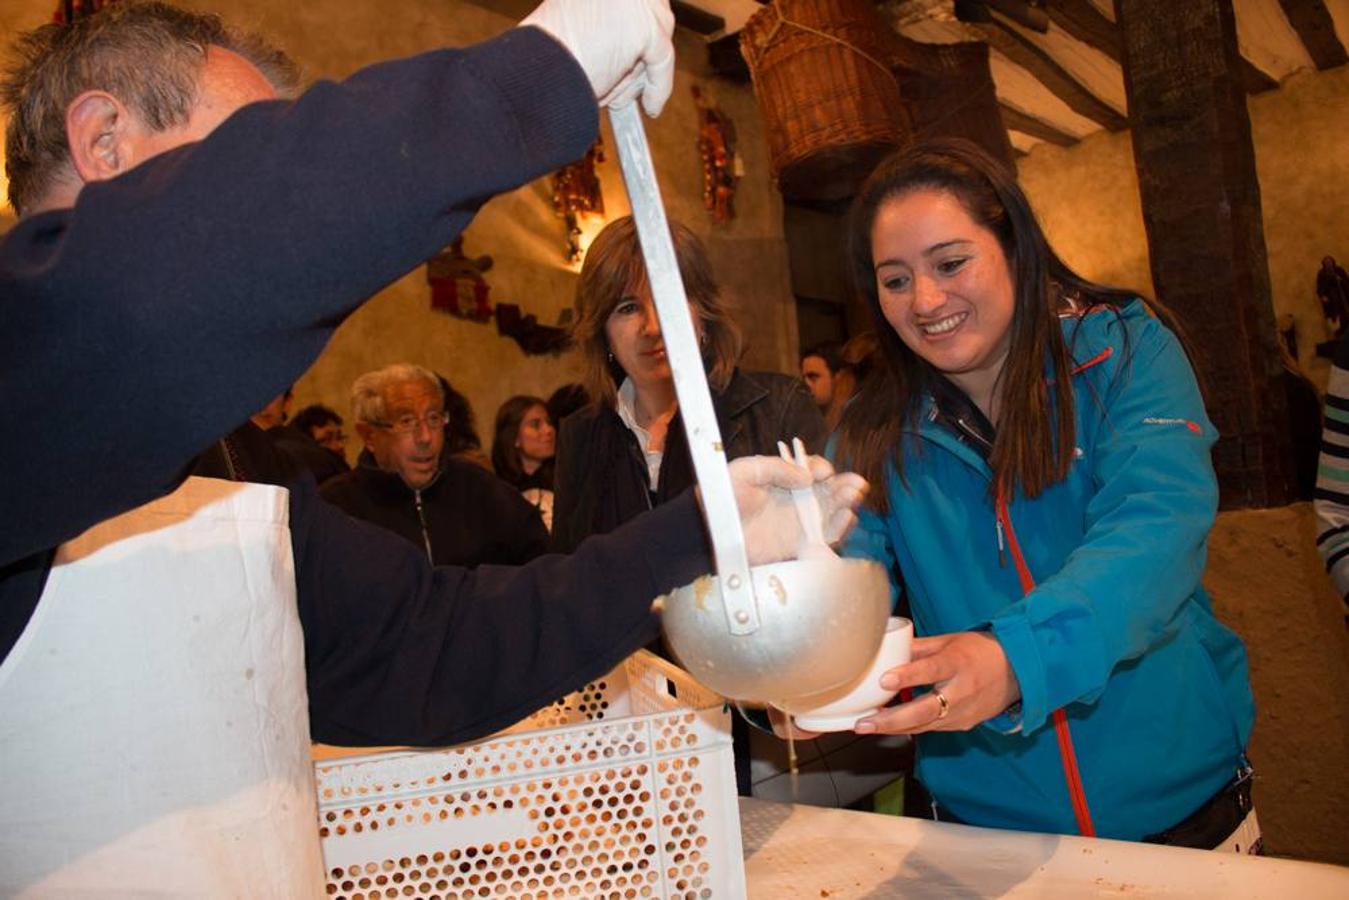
column 673, row 538
column 1017, row 638
column 1009, row 721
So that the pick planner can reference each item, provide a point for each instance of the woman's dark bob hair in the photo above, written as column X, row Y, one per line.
column 505, row 455
column 1035, row 414
column 614, row 271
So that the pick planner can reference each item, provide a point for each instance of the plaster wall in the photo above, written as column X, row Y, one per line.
column 333, row 38
column 1267, row 584
column 1087, row 199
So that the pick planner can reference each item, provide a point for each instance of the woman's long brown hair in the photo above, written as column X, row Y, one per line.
column 1037, row 419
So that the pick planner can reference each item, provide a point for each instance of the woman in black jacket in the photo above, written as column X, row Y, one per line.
column 626, row 452
column 523, row 448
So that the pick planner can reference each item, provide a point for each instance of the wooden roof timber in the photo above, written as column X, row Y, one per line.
column 696, row 19
column 1253, row 78
column 1014, row 119
column 1316, row 29
column 1082, row 20
column 1021, row 50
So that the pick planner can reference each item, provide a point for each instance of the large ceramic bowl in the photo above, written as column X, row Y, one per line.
column 820, row 624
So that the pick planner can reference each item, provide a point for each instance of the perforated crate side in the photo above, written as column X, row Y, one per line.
column 642, row 806
column 655, row 684
column 603, row 698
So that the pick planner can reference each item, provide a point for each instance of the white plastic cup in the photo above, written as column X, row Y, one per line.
column 840, row 708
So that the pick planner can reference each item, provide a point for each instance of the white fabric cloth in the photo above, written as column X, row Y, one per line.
column 542, row 500
column 627, row 411
column 154, row 735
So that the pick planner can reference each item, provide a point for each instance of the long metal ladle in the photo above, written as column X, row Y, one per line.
column 785, row 630
column 686, row 362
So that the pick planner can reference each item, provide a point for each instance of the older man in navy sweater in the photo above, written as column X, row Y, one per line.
column 174, row 217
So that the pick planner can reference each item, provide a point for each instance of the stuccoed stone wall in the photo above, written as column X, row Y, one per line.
column 1087, row 199
column 333, row 38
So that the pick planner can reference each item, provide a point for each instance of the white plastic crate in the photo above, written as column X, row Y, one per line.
column 623, row 789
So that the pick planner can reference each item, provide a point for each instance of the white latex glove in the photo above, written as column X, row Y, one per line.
column 624, row 46
column 762, row 492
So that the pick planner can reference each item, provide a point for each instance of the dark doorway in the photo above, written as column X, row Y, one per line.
column 819, row 320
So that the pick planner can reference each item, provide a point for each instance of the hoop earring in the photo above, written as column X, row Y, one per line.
column 610, row 354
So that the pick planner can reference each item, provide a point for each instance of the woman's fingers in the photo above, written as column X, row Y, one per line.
column 930, row 668
column 920, row 714
column 969, row 682
column 924, row 647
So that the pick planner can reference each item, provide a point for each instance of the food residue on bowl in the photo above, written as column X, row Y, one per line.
column 701, row 588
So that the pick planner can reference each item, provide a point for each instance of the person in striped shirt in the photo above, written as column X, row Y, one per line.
column 1331, row 500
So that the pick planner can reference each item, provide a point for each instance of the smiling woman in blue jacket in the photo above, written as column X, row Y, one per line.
column 1045, row 494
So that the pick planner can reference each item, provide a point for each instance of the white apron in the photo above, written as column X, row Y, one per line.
column 154, row 731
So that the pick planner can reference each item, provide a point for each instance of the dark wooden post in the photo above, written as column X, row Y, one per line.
column 1201, row 208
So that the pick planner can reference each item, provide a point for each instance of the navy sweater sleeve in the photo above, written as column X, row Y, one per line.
column 400, row 653
column 173, row 301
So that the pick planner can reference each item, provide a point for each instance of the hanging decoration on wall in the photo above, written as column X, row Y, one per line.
column 68, row 11
column 525, row 330
column 576, row 193
column 722, row 166
column 457, row 285
column 459, row 288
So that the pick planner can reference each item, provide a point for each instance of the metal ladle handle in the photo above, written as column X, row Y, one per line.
column 686, row 363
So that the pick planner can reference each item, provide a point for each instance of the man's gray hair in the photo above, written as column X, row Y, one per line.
column 367, row 392
column 148, row 55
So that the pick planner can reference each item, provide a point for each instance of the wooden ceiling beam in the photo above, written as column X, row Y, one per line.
column 727, row 60
column 1200, row 193
column 1082, row 20
column 1025, row 53
column 696, row 19
column 1314, row 25
column 1253, row 78
column 1016, row 120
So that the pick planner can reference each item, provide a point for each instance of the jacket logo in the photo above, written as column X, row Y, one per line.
column 1154, row 420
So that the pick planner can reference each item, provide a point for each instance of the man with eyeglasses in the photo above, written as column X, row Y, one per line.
column 455, row 511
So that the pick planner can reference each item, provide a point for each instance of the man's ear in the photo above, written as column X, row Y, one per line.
column 365, row 430
column 98, row 128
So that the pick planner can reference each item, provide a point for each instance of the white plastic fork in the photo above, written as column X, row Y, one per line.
column 807, row 505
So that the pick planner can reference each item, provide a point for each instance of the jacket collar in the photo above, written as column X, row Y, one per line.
column 930, row 429
column 937, row 406
column 742, row 392
column 388, row 483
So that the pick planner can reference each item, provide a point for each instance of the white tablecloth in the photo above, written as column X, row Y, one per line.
column 805, row 851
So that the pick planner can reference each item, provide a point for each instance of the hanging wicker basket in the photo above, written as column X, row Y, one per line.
column 830, row 102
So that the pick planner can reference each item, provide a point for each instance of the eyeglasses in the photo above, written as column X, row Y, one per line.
column 409, row 423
